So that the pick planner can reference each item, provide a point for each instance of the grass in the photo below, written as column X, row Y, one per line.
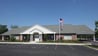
column 12, row 41
column 94, row 46
column 62, row 41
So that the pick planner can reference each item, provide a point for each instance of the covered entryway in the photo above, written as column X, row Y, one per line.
column 36, row 33
column 36, row 36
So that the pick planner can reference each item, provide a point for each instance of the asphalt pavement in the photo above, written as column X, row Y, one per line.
column 45, row 50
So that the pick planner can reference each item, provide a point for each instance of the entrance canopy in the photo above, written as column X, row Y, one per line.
column 39, row 29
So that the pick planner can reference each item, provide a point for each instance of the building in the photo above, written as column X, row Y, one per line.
column 51, row 32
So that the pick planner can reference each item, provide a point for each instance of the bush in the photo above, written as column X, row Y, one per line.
column 13, row 38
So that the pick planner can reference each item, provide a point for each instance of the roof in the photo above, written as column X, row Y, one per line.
column 68, row 28
column 16, row 30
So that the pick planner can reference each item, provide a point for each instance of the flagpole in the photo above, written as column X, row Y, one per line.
column 59, row 30
column 60, row 26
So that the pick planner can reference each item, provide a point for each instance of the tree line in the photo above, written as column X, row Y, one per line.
column 4, row 28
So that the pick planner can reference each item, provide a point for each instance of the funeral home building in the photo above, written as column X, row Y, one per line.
column 39, row 33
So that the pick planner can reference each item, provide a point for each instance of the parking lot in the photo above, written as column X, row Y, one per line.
column 45, row 50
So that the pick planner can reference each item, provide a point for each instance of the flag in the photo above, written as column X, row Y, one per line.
column 61, row 21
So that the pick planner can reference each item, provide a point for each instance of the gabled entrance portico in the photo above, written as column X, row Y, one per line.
column 36, row 33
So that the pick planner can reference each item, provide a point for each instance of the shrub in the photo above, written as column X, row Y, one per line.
column 13, row 38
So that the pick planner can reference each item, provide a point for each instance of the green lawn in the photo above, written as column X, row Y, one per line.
column 12, row 41
column 63, row 41
column 94, row 46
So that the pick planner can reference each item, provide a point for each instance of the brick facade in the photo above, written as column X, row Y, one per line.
column 74, row 37
column 61, row 36
column 20, row 37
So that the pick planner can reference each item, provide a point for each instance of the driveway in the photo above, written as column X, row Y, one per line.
column 45, row 50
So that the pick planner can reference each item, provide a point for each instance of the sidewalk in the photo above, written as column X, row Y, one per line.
column 45, row 43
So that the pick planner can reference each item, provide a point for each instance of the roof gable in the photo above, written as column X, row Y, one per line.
column 38, row 28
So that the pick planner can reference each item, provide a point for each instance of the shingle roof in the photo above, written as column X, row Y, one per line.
column 17, row 30
column 68, row 28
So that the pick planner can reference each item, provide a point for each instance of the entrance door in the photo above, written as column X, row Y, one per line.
column 36, row 37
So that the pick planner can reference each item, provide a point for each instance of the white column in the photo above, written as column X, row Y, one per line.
column 31, row 37
column 94, row 38
column 40, row 37
column 54, row 36
column 10, row 37
column 2, row 37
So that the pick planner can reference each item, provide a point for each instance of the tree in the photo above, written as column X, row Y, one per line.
column 96, row 29
column 3, row 28
column 14, row 26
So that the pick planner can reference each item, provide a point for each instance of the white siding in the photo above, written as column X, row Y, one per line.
column 68, row 37
column 17, row 37
column 37, row 28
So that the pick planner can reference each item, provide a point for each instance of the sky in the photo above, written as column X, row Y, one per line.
column 48, row 12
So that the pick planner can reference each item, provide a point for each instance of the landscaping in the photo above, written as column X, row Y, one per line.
column 45, row 41
column 93, row 46
column 12, row 41
column 63, row 41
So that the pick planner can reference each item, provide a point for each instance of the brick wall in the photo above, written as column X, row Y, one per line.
column 57, row 37
column 74, row 37
column 20, row 37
